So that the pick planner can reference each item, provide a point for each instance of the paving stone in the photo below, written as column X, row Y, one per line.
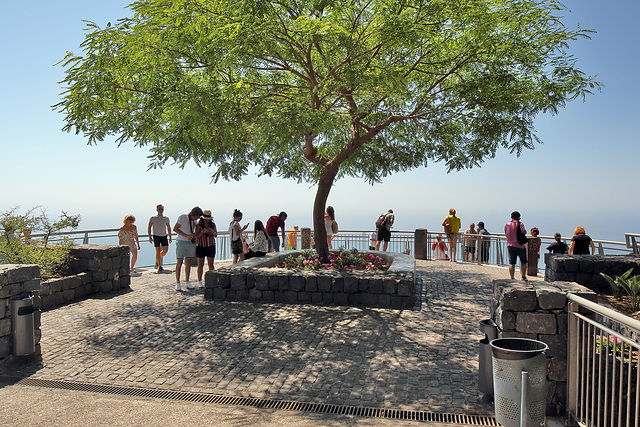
column 156, row 337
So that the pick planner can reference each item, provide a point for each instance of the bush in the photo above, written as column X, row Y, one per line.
column 17, row 246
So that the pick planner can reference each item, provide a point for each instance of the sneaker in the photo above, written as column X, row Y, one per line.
column 200, row 284
column 160, row 269
column 189, row 285
column 178, row 288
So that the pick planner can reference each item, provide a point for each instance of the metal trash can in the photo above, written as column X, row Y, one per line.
column 485, row 365
column 23, row 325
column 519, row 381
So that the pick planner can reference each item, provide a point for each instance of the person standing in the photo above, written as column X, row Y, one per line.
column 384, row 224
column 580, row 243
column 159, row 231
column 514, row 247
column 185, row 228
column 292, row 238
column 483, row 243
column 206, row 233
column 559, row 247
column 273, row 223
column 451, row 226
column 128, row 236
column 235, row 231
column 329, row 219
column 470, row 242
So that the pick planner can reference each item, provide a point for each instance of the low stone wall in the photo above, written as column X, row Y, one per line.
column 538, row 311
column 586, row 269
column 96, row 269
column 16, row 280
column 254, row 280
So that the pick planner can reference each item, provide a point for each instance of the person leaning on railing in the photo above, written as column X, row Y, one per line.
column 580, row 243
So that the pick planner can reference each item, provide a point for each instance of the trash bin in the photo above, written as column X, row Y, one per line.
column 23, row 325
column 485, row 367
column 519, row 381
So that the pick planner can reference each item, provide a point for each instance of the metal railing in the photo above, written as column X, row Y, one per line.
column 603, row 385
column 401, row 241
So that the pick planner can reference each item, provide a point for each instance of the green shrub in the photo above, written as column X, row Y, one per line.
column 17, row 246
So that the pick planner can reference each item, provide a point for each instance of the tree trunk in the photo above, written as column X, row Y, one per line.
column 319, row 205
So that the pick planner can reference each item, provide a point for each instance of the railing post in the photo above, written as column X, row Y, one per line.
column 573, row 341
column 85, row 241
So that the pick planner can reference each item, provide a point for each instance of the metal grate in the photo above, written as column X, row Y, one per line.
column 321, row 408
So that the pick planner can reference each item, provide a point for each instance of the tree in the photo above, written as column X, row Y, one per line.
column 320, row 89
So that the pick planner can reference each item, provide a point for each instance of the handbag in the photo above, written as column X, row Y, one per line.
column 334, row 226
column 447, row 226
column 522, row 239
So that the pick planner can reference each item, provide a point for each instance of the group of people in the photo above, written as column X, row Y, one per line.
column 452, row 226
column 515, row 232
column 196, row 234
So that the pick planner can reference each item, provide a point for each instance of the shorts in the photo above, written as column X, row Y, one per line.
column 517, row 253
column 453, row 236
column 206, row 251
column 470, row 249
column 236, row 247
column 384, row 234
column 275, row 242
column 185, row 249
column 160, row 241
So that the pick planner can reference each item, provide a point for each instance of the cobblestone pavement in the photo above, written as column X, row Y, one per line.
column 155, row 337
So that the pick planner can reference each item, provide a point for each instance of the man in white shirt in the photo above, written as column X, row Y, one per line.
column 158, row 230
column 185, row 228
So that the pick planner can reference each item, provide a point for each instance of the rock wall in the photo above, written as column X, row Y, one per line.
column 538, row 310
column 15, row 281
column 96, row 269
column 586, row 269
column 254, row 280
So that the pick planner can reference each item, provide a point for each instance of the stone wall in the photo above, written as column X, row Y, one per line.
column 96, row 269
column 254, row 280
column 16, row 280
column 538, row 311
column 586, row 269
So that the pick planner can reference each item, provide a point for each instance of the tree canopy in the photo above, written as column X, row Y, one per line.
column 318, row 89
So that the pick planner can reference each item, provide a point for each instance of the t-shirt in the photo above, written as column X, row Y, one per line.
column 510, row 232
column 582, row 244
column 470, row 242
column 273, row 223
column 558, row 248
column 454, row 223
column 485, row 242
column 186, row 226
column 159, row 225
column 388, row 219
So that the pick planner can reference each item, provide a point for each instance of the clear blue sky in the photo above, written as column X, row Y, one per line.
column 585, row 173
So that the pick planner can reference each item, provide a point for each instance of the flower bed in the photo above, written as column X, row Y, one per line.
column 257, row 280
column 343, row 260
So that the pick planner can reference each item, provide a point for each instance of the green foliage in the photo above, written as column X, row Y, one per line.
column 19, row 245
column 372, row 87
column 342, row 260
column 616, row 284
column 628, row 284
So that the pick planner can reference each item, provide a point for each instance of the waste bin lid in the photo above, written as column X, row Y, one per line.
column 517, row 348
column 488, row 325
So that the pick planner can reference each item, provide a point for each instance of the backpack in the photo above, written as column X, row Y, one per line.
column 382, row 221
column 522, row 239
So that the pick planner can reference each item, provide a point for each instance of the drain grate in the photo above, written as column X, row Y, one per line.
column 322, row 408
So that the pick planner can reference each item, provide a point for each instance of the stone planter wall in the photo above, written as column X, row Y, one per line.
column 97, row 269
column 538, row 311
column 253, row 280
column 16, row 280
column 586, row 269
